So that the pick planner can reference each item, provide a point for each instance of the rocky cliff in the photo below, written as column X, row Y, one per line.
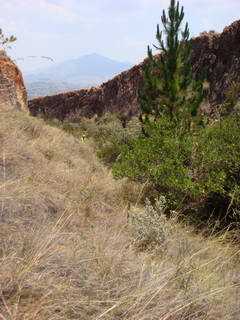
column 13, row 95
column 218, row 55
column 117, row 95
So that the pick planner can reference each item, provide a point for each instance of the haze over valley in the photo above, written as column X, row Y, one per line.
column 86, row 71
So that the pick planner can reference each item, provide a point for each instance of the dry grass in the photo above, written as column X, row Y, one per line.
column 66, row 250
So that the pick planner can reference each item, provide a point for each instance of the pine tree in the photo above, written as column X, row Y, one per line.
column 168, row 85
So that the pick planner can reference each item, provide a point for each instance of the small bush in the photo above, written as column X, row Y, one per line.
column 150, row 228
column 217, row 167
column 162, row 159
column 198, row 171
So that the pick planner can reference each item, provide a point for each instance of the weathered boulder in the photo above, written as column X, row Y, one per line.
column 13, row 95
column 215, row 54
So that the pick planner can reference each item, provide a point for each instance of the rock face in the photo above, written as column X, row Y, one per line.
column 117, row 95
column 13, row 95
column 217, row 55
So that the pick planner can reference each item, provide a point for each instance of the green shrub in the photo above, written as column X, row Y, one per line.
column 217, row 167
column 197, row 170
column 163, row 159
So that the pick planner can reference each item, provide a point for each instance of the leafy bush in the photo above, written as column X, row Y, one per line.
column 217, row 167
column 162, row 159
column 197, row 170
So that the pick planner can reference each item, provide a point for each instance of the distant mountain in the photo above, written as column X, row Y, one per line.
column 86, row 71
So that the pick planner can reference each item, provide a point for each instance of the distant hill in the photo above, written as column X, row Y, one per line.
column 86, row 71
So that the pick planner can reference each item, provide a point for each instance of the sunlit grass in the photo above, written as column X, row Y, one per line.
column 70, row 249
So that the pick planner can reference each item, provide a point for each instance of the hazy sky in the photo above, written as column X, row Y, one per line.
column 120, row 29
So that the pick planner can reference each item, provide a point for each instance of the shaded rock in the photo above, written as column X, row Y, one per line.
column 13, row 95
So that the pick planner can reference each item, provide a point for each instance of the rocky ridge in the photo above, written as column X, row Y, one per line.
column 215, row 54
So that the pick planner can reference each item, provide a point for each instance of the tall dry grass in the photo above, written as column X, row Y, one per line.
column 68, row 251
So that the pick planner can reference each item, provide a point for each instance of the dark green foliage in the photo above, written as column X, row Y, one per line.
column 162, row 159
column 168, row 86
column 197, row 172
column 196, row 167
column 169, row 101
column 217, row 167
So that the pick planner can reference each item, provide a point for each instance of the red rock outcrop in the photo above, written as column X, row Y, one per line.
column 217, row 55
column 13, row 95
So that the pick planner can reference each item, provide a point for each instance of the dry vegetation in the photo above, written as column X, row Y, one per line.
column 68, row 251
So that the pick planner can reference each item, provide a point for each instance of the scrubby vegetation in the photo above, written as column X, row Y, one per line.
column 191, row 160
column 173, row 150
column 75, row 243
column 70, row 249
column 197, row 171
column 106, row 133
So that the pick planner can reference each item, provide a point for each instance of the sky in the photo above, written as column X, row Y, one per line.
column 119, row 29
